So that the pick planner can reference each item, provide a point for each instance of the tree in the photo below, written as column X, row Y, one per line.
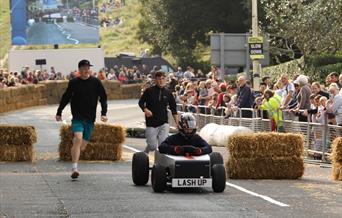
column 312, row 26
column 179, row 27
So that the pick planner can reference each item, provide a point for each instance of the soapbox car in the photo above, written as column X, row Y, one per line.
column 184, row 171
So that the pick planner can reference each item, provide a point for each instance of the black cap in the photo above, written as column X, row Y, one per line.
column 84, row 63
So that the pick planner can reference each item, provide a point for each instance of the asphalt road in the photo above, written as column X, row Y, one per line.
column 105, row 189
column 62, row 33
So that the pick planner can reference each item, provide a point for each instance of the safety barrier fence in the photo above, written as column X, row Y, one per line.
column 318, row 136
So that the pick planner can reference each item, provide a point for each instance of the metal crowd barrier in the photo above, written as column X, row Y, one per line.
column 317, row 136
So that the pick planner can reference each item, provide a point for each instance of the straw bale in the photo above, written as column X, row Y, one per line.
column 266, row 145
column 105, row 143
column 336, row 157
column 6, row 92
column 131, row 88
column 2, row 94
column 111, row 85
column 93, row 151
column 265, row 168
column 337, row 171
column 107, row 133
column 16, row 152
column 17, row 135
column 43, row 101
column 336, row 154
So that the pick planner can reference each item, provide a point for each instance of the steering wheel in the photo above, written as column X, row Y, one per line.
column 188, row 150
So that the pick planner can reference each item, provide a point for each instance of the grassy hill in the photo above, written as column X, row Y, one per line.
column 112, row 39
column 5, row 36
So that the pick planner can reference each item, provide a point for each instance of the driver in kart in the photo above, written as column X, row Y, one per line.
column 186, row 141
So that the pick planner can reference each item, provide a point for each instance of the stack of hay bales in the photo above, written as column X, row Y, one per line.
column 130, row 91
column 105, row 143
column 13, row 98
column 54, row 90
column 265, row 156
column 336, row 157
column 113, row 89
column 16, row 143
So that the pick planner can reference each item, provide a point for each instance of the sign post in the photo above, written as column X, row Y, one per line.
column 256, row 48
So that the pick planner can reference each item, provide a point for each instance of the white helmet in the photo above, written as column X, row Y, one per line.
column 187, row 125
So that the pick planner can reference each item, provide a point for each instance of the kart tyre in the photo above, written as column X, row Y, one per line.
column 215, row 158
column 219, row 178
column 158, row 178
column 140, row 168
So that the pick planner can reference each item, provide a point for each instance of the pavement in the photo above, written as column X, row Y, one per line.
column 105, row 189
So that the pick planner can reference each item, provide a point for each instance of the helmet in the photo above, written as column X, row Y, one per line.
column 187, row 125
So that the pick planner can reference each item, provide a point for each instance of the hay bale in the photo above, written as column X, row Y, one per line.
column 266, row 145
column 17, row 135
column 337, row 171
column 93, row 151
column 106, row 133
column 105, row 143
column 265, row 168
column 336, row 154
column 16, row 152
column 336, row 157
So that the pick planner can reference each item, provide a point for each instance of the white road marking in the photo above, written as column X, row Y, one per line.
column 68, row 36
column 266, row 198
column 130, row 148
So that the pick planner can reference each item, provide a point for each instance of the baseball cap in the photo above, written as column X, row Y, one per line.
column 84, row 63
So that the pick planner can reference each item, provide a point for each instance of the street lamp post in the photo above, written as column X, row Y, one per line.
column 255, row 33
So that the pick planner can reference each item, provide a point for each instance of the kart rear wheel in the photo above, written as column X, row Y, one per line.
column 219, row 178
column 215, row 158
column 140, row 168
column 158, row 178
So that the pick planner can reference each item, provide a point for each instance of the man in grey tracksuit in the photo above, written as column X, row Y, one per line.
column 154, row 102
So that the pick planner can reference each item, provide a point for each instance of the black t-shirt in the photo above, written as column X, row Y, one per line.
column 157, row 100
column 83, row 96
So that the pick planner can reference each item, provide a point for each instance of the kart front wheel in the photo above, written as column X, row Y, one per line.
column 158, row 178
column 219, row 178
column 140, row 168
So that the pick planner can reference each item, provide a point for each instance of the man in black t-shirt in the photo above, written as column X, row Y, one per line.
column 83, row 92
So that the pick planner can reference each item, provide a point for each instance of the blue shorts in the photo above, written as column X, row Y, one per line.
column 85, row 127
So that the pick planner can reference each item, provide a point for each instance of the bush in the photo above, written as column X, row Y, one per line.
column 316, row 61
column 324, row 71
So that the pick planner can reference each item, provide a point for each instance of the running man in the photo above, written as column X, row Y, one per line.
column 83, row 92
column 153, row 103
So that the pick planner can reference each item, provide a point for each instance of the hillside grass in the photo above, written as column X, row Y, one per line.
column 113, row 40
column 5, row 35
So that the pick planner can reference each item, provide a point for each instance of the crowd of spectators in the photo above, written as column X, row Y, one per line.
column 110, row 5
column 297, row 98
column 123, row 74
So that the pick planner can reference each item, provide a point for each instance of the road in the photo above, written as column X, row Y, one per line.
column 105, row 189
column 62, row 33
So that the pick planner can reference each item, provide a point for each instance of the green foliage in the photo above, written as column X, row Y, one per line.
column 4, row 28
column 324, row 71
column 312, row 25
column 322, row 60
column 179, row 27
column 291, row 68
column 317, row 67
